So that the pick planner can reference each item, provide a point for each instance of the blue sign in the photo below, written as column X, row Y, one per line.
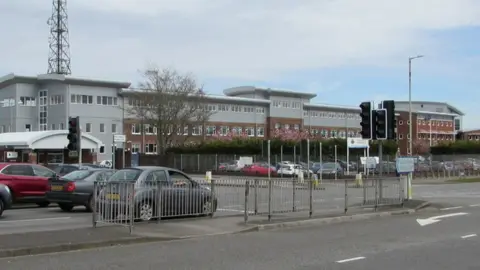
column 405, row 164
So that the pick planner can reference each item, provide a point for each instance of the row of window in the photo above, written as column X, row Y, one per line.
column 435, row 117
column 286, row 104
column 424, row 136
column 436, row 123
column 198, row 130
column 336, row 115
column 88, row 99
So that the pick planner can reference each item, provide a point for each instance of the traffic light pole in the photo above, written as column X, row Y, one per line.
column 79, row 146
column 380, row 171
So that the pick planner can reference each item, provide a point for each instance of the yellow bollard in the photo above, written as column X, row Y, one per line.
column 208, row 176
column 358, row 180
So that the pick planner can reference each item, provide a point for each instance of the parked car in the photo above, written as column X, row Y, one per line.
column 27, row 182
column 181, row 195
column 259, row 169
column 5, row 198
column 330, row 169
column 63, row 169
column 76, row 188
column 293, row 170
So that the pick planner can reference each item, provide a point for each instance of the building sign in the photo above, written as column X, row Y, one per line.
column 357, row 143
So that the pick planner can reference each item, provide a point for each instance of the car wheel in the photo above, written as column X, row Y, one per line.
column 43, row 204
column 66, row 207
column 145, row 211
column 90, row 204
column 2, row 207
column 208, row 207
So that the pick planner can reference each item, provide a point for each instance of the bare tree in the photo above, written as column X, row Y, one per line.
column 170, row 102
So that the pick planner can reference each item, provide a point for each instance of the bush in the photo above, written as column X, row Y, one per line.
column 457, row 147
column 254, row 146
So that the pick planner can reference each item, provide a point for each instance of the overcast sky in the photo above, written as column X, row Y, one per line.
column 346, row 51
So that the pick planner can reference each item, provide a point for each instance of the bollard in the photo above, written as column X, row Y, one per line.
column 358, row 180
column 208, row 176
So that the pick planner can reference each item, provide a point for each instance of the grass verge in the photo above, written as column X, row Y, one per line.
column 465, row 180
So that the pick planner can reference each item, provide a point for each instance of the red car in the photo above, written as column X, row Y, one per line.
column 259, row 169
column 27, row 182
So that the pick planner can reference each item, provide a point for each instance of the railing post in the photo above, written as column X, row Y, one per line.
column 247, row 192
column 294, row 207
column 159, row 199
column 94, row 208
column 255, row 191
column 376, row 193
column 346, row 197
column 270, row 189
column 212, row 196
column 131, row 202
column 310, row 198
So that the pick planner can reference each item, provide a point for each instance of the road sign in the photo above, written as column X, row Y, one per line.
column 73, row 154
column 357, row 143
column 119, row 138
column 405, row 164
column 369, row 162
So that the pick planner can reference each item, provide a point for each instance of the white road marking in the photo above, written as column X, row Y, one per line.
column 468, row 236
column 34, row 220
column 474, row 205
column 451, row 208
column 431, row 220
column 233, row 210
column 351, row 259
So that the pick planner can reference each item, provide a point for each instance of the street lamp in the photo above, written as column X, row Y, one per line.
column 410, row 133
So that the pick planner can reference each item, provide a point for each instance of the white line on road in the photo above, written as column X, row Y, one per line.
column 351, row 259
column 468, row 236
column 451, row 208
column 34, row 220
column 474, row 205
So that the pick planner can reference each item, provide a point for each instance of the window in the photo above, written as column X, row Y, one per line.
column 197, row 130
column 151, row 148
column 28, row 128
column 135, row 147
column 400, row 122
column 109, row 101
column 223, row 108
column 260, row 132
column 102, row 128
column 276, row 104
column 237, row 130
column 185, row 130
column 149, row 129
column 400, row 136
column 156, row 176
column 41, row 171
column 136, row 129
column 43, row 109
column 211, row 130
column 296, row 126
column 2, row 129
column 114, row 128
column 408, row 136
column 260, row 110
column 277, row 125
column 179, row 179
column 24, row 170
column 57, row 99
column 408, row 122
column 81, row 99
column 88, row 127
column 236, row 108
column 286, row 126
column 62, row 126
column 248, row 109
column 250, row 131
column 28, row 101
column 224, row 130
column 53, row 127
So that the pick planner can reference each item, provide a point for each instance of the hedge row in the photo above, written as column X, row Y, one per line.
column 258, row 147
column 458, row 147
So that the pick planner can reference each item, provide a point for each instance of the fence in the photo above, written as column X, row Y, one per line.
column 124, row 202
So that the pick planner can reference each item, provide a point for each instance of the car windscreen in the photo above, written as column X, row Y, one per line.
column 126, row 175
column 77, row 175
column 328, row 166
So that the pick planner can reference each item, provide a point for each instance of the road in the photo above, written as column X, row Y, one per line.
column 231, row 202
column 396, row 243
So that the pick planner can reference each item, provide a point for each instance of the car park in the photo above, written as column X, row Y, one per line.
column 139, row 189
column 27, row 182
column 76, row 188
column 5, row 198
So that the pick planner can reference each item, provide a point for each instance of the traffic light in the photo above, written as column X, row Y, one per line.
column 366, row 120
column 73, row 134
column 381, row 124
column 389, row 105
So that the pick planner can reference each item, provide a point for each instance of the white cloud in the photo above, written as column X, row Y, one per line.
column 247, row 39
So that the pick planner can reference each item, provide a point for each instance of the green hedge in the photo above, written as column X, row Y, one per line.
column 457, row 147
column 259, row 147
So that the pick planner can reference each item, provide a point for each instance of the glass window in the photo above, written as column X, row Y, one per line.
column 42, row 171
column 126, row 175
column 179, row 178
column 77, row 175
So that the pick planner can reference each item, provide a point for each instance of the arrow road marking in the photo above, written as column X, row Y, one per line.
column 431, row 220
column 468, row 236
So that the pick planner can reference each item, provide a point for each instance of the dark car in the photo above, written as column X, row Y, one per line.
column 76, row 188
column 27, row 182
column 5, row 198
column 64, row 169
column 138, row 189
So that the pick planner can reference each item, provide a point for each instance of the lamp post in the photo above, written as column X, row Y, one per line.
column 410, row 133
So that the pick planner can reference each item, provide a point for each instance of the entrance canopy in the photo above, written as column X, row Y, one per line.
column 51, row 139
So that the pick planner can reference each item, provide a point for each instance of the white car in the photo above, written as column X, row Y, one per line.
column 292, row 170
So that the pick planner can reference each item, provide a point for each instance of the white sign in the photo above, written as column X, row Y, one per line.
column 11, row 155
column 73, row 154
column 357, row 143
column 405, row 164
column 431, row 220
column 119, row 138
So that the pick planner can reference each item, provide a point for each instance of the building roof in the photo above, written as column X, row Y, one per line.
column 242, row 90
column 13, row 78
column 51, row 139
column 451, row 107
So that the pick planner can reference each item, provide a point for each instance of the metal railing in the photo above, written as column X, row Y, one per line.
column 125, row 203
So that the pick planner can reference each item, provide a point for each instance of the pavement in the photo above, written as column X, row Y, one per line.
column 398, row 242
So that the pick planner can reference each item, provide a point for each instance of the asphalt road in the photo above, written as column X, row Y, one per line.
column 231, row 202
column 396, row 243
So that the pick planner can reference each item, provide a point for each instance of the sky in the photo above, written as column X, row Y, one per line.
column 345, row 51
